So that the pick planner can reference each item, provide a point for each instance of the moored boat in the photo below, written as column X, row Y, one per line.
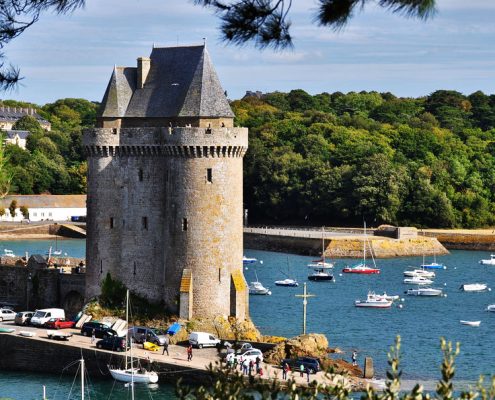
column 27, row 333
column 361, row 268
column 491, row 308
column 491, row 261
column 257, row 288
column 373, row 301
column 386, row 296
column 287, row 282
column 320, row 273
column 7, row 330
column 418, row 280
column 248, row 260
column 428, row 292
column 8, row 253
column 470, row 323
column 419, row 272
column 474, row 287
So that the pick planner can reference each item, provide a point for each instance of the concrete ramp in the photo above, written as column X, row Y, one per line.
column 73, row 231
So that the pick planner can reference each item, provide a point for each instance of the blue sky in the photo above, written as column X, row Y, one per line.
column 73, row 55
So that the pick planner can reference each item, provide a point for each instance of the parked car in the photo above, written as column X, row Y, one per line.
column 23, row 317
column 7, row 314
column 59, row 323
column 203, row 339
column 42, row 316
column 311, row 364
column 141, row 334
column 101, row 330
column 114, row 343
column 249, row 355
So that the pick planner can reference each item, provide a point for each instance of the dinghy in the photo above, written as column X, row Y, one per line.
column 470, row 323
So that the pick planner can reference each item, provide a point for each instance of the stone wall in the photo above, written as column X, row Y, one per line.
column 161, row 200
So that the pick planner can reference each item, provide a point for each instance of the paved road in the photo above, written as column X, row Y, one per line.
column 305, row 233
column 202, row 358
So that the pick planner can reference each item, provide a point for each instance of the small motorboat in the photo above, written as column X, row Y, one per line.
column 257, row 288
column 386, row 296
column 491, row 308
column 361, row 268
column 247, row 260
column 373, row 301
column 474, row 287
column 491, row 261
column 419, row 272
column 8, row 253
column 319, row 263
column 287, row 282
column 470, row 323
column 418, row 280
column 428, row 292
column 7, row 330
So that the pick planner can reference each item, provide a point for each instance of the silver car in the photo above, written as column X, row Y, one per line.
column 23, row 317
column 6, row 314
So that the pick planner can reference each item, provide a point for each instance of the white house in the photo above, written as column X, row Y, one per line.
column 45, row 207
column 18, row 138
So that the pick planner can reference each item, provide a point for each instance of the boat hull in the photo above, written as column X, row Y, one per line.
column 293, row 284
column 364, row 304
column 318, row 278
column 470, row 323
column 134, row 376
column 361, row 271
column 425, row 293
column 433, row 266
column 475, row 287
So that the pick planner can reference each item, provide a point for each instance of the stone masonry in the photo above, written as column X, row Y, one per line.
column 165, row 187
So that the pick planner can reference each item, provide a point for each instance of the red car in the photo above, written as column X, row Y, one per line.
column 59, row 323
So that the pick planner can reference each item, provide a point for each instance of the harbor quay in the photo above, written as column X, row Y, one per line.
column 39, row 354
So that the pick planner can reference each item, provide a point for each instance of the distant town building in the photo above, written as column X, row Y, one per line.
column 10, row 115
column 256, row 94
column 45, row 207
column 165, row 187
column 17, row 138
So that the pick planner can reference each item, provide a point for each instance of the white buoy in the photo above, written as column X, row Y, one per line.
column 261, row 261
column 340, row 274
column 444, row 267
column 246, row 268
column 445, row 284
column 402, row 299
column 455, row 267
column 400, row 306
column 445, row 295
column 489, row 289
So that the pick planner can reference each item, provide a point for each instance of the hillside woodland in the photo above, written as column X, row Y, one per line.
column 328, row 159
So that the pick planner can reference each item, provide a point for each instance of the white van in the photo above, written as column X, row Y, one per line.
column 203, row 339
column 41, row 316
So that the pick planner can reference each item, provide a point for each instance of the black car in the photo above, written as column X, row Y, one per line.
column 115, row 343
column 310, row 364
column 101, row 330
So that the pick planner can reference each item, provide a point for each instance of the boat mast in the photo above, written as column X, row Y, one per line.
column 82, row 378
column 323, row 244
column 364, row 245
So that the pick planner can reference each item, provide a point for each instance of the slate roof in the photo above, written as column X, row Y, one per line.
column 12, row 114
column 182, row 82
column 22, row 134
column 45, row 200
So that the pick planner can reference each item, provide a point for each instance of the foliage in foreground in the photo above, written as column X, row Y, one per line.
column 231, row 385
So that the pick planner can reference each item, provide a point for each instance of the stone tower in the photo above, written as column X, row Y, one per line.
column 165, row 186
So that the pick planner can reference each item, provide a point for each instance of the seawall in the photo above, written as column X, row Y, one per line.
column 18, row 353
column 344, row 246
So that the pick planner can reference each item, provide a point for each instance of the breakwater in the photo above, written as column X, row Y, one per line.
column 339, row 243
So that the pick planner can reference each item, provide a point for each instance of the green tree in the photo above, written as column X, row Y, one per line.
column 28, row 123
column 5, row 173
column 12, row 208
column 24, row 211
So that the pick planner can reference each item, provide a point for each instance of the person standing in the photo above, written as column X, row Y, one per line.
column 251, row 365
column 258, row 360
column 93, row 335
column 189, row 352
column 165, row 347
column 354, row 358
column 285, row 369
column 307, row 373
column 301, row 370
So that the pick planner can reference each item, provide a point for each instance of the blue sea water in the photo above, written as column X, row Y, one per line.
column 420, row 322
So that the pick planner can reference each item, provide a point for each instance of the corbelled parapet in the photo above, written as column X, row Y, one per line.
column 179, row 141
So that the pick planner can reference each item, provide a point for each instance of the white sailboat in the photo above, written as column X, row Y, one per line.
column 288, row 281
column 131, row 374
column 257, row 287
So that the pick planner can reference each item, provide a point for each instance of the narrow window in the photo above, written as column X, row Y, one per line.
column 140, row 174
column 184, row 224
column 144, row 223
column 111, row 222
column 209, row 175
column 123, row 223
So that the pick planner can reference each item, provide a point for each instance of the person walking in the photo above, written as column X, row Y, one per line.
column 189, row 352
column 354, row 358
column 258, row 360
column 301, row 370
column 93, row 335
column 285, row 369
column 251, row 365
column 244, row 367
column 165, row 347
